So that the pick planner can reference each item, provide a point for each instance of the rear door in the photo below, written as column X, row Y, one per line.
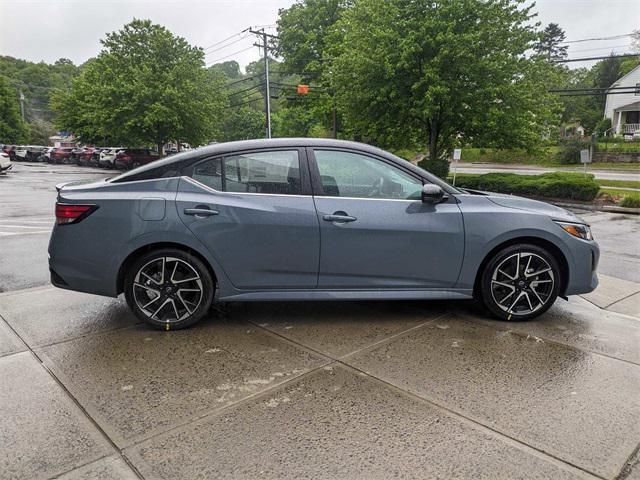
column 255, row 213
column 375, row 232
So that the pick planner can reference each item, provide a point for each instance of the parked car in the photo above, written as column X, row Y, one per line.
column 45, row 156
column 5, row 163
column 21, row 153
column 108, row 157
column 135, row 157
column 10, row 150
column 310, row 219
column 84, row 155
column 94, row 161
column 62, row 155
column 28, row 153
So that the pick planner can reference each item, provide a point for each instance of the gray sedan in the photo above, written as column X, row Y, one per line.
column 309, row 219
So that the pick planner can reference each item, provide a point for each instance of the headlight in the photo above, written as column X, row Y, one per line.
column 579, row 230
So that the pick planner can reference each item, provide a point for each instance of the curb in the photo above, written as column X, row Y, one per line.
column 598, row 208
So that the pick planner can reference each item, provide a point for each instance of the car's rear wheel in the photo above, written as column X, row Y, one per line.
column 520, row 282
column 169, row 289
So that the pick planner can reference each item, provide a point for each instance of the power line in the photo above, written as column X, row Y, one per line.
column 613, row 37
column 227, row 45
column 600, row 48
column 584, row 59
column 242, row 80
column 247, row 89
column 230, row 55
column 225, row 39
column 579, row 94
column 578, row 89
column 244, row 103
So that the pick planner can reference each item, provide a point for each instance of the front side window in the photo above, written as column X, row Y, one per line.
column 276, row 172
column 346, row 174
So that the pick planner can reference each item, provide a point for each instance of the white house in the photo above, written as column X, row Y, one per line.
column 624, row 108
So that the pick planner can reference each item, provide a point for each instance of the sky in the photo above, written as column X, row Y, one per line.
column 45, row 30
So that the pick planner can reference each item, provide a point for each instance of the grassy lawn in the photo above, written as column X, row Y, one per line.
column 619, row 183
column 547, row 157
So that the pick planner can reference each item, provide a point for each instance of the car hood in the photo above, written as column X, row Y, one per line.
column 521, row 203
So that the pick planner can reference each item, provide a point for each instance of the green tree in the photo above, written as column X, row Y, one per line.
column 12, row 128
column 230, row 68
column 146, row 87
column 242, row 123
column 304, row 33
column 550, row 45
column 410, row 73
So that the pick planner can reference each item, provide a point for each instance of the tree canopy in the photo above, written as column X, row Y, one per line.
column 12, row 128
column 146, row 87
column 551, row 44
column 410, row 73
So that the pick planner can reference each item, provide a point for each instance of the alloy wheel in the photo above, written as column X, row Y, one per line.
column 522, row 283
column 167, row 289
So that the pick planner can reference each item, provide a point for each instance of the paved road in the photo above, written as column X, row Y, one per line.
column 489, row 168
column 301, row 390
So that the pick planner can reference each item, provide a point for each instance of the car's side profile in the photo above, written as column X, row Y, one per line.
column 309, row 219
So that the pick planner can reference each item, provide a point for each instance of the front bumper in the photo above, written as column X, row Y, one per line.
column 583, row 266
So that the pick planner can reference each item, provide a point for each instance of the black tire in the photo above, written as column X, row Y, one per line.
column 527, row 295
column 171, row 296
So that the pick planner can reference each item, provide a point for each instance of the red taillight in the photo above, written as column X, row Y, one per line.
column 66, row 213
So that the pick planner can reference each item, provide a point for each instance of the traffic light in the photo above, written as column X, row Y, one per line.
column 303, row 89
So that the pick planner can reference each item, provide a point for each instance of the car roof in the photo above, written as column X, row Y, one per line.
column 183, row 159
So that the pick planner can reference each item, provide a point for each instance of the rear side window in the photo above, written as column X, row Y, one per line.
column 209, row 173
column 275, row 172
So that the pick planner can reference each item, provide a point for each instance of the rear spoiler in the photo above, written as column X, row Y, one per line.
column 60, row 186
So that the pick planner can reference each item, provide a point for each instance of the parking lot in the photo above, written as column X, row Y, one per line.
column 310, row 390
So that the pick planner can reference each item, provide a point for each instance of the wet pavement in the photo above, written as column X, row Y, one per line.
column 311, row 390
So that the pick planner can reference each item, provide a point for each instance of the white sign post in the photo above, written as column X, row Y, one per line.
column 457, row 153
column 585, row 157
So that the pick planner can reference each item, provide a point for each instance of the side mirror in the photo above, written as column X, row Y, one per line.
column 432, row 194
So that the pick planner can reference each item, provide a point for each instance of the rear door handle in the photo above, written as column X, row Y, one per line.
column 339, row 217
column 200, row 212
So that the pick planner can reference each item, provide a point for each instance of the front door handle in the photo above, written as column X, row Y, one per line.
column 200, row 212
column 339, row 217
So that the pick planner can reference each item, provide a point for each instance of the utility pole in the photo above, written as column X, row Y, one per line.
column 21, row 104
column 267, row 94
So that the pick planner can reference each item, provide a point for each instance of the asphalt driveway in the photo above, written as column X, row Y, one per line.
column 308, row 390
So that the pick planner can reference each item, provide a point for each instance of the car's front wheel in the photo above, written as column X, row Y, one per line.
column 169, row 289
column 520, row 282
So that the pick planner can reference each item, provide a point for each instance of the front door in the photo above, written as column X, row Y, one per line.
column 376, row 232
column 255, row 214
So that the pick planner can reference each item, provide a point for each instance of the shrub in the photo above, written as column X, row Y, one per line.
column 439, row 167
column 604, row 125
column 569, row 154
column 631, row 201
column 574, row 186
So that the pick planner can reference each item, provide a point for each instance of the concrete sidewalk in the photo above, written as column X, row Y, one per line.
column 616, row 295
column 317, row 390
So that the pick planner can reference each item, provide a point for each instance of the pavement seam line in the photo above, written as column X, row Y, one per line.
column 450, row 411
column 626, row 469
column 336, row 359
column 220, row 411
column 466, row 318
column 74, row 400
column 454, row 413
column 623, row 298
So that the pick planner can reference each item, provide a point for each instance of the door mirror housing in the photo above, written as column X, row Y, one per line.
column 433, row 194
